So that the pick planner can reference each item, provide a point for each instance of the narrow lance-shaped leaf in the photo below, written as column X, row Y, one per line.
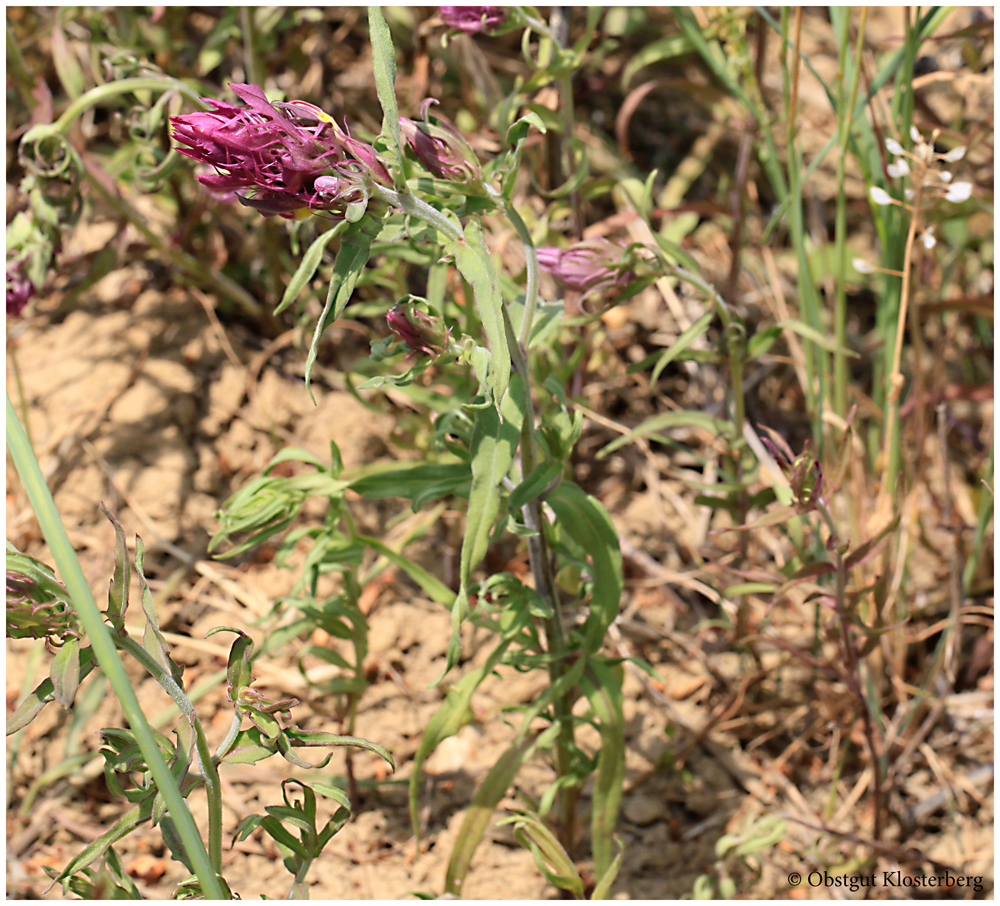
column 308, row 266
column 118, row 592
column 355, row 247
column 476, row 265
column 493, row 446
column 586, row 521
column 152, row 638
column 384, row 66
column 602, row 686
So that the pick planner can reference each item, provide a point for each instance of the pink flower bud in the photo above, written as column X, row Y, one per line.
column 587, row 266
column 473, row 19
column 441, row 148
column 418, row 330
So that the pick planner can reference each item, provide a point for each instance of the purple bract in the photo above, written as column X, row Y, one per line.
column 586, row 266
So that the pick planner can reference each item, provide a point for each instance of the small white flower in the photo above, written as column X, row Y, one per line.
column 893, row 147
column 914, row 134
column 899, row 168
column 958, row 192
column 924, row 152
column 945, row 176
column 880, row 196
column 955, row 154
column 862, row 266
column 928, row 238
column 909, row 194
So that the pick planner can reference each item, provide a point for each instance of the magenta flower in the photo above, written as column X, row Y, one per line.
column 473, row 19
column 418, row 330
column 587, row 266
column 281, row 158
column 19, row 289
column 440, row 147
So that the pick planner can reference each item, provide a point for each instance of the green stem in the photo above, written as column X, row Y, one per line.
column 410, row 204
column 104, row 649
column 531, row 284
column 846, row 112
column 113, row 89
column 206, row 765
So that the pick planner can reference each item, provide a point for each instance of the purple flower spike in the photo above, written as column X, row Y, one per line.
column 587, row 266
column 273, row 155
column 473, row 19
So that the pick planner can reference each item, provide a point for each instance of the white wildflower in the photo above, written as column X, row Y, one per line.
column 959, row 192
column 909, row 194
column 915, row 134
column 945, row 176
column 899, row 168
column 893, row 147
column 955, row 154
column 880, row 196
column 862, row 266
column 928, row 238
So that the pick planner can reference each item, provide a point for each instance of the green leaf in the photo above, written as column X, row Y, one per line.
column 817, row 337
column 152, row 638
column 681, row 343
column 493, row 445
column 550, row 857
column 497, row 782
column 603, row 886
column 355, row 246
column 250, row 747
column 436, row 589
column 43, row 694
column 667, row 420
column 664, row 49
column 67, row 66
column 422, row 482
column 65, row 672
column 300, row 738
column 540, row 478
column 133, row 818
column 602, row 686
column 308, row 266
column 475, row 263
column 384, row 65
column 238, row 673
column 584, row 519
column 118, row 592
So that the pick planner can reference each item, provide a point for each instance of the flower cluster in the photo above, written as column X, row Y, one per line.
column 473, row 19
column 590, row 266
column 441, row 148
column 924, row 165
column 289, row 159
column 925, row 169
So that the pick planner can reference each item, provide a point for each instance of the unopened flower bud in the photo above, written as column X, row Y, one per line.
column 879, row 196
column 441, row 148
column 899, row 168
column 422, row 332
column 862, row 266
column 954, row 155
column 586, row 266
column 893, row 147
column 958, row 192
column 20, row 289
